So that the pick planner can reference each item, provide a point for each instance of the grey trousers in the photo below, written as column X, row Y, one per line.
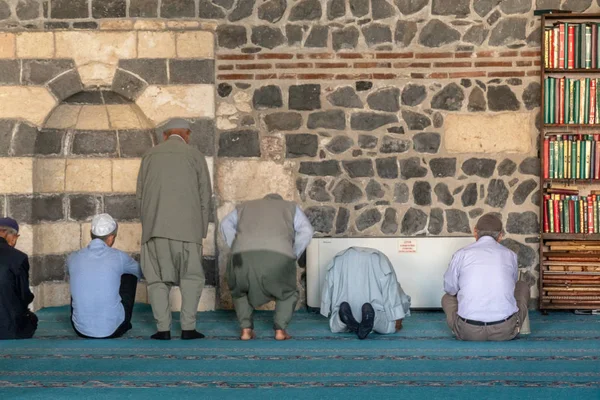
column 506, row 330
column 167, row 263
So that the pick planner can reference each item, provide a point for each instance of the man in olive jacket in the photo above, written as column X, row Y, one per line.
column 174, row 196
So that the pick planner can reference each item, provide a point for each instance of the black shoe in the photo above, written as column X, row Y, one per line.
column 368, row 320
column 164, row 335
column 347, row 317
column 189, row 335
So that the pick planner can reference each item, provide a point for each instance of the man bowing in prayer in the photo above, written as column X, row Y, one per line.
column 266, row 237
column 174, row 195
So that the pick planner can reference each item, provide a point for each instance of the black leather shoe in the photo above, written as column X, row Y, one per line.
column 164, row 335
column 347, row 317
column 367, row 322
column 189, row 335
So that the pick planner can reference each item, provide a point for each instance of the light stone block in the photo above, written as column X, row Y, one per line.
column 49, row 175
column 55, row 294
column 93, row 118
column 89, row 175
column 38, row 298
column 116, row 24
column 141, row 293
column 195, row 44
column 124, row 176
column 489, row 133
column 63, row 117
column 96, row 74
column 25, row 242
column 149, row 25
column 207, row 300
column 16, row 175
column 208, row 244
column 160, row 103
column 57, row 238
column 124, row 116
column 35, row 45
column 86, row 46
column 233, row 179
column 153, row 44
column 7, row 45
column 183, row 24
column 31, row 103
column 210, row 162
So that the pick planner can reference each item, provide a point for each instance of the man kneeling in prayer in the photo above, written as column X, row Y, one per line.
column 484, row 300
column 103, row 282
column 362, row 294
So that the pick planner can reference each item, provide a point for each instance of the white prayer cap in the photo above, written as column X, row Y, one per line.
column 103, row 225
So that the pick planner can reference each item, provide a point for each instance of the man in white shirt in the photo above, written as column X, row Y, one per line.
column 484, row 300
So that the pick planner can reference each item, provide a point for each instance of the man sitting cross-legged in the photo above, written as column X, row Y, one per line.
column 103, row 284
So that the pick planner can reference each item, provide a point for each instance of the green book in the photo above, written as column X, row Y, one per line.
column 588, row 46
column 576, row 201
column 576, row 101
column 551, row 160
column 546, row 103
column 577, row 52
column 566, row 47
column 573, row 158
column 571, row 101
column 552, row 102
column 561, row 154
column 566, row 100
column 582, row 163
column 586, row 106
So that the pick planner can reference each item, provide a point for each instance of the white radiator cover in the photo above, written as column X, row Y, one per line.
column 419, row 267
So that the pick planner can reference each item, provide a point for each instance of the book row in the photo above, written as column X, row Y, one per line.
column 571, row 213
column 571, row 46
column 571, row 101
column 572, row 157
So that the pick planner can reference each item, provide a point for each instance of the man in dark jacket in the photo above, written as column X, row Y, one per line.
column 16, row 321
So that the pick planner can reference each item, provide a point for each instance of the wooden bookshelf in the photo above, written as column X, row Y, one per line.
column 576, row 284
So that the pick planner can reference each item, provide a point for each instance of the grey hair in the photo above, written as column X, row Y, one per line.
column 493, row 234
column 8, row 230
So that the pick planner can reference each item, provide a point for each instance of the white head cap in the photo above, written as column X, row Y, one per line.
column 103, row 225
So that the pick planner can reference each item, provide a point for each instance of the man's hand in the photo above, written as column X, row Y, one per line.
column 398, row 325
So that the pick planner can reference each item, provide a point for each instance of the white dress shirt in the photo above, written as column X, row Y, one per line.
column 483, row 277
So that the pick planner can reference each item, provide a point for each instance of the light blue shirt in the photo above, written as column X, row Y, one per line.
column 483, row 277
column 302, row 227
column 95, row 279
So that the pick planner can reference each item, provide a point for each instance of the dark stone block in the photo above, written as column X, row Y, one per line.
column 55, row 25
column 242, row 143
column 320, row 168
column 497, row 193
column 374, row 190
column 301, row 184
column 476, row 35
column 84, row 207
column 438, row 120
column 413, row 95
column 451, row 7
column 318, row 191
column 109, row 8
column 231, row 36
column 339, row 144
column 345, row 97
column 85, row 97
column 436, row 221
column 525, row 254
column 122, row 207
column 6, row 132
column 367, row 219
column 443, row 194
column 535, row 198
column 507, row 167
column 369, row 121
column 10, row 72
column 483, row 167
column 514, row 81
column 47, row 268
column 359, row 168
column 301, row 145
column 283, row 121
column 396, row 129
column 85, row 25
column 426, row 142
column 272, row 10
column 224, row 89
column 483, row 7
column 341, row 222
column 33, row 210
column 405, row 32
column 401, row 192
column 128, row 85
column 306, row 10
column 357, row 153
column 376, row 34
column 513, row 182
column 476, row 100
column 450, row 98
column 408, row 7
column 69, row 9
column 469, row 196
column 135, row 143
column 509, row 30
column 414, row 221
column 443, row 167
column 24, row 140
column 305, row 97
column 210, row 271
column 49, row 142
column 28, row 9
column 267, row 97
column 523, row 223
column 393, row 145
column 152, row 70
column 331, row 119
column 267, row 36
column 38, row 72
column 576, row 5
column 494, row 17
column 336, row 9
column 143, row 8
column 345, row 38
column 177, row 9
column 390, row 223
column 318, row 37
column 361, row 86
column 530, row 166
column 294, row 34
column 476, row 212
column 97, row 143
column 411, row 168
column 346, row 192
column 386, row 99
column 387, row 168
column 66, row 85
column 321, row 218
column 381, row 9
column 523, row 191
column 415, row 121
column 502, row 98
column 458, row 221
column 208, row 10
column 192, row 71
column 367, row 141
column 203, row 135
column 359, row 8
column 436, row 34
column 242, row 10
column 422, row 193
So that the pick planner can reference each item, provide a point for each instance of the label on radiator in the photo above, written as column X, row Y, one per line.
column 407, row 246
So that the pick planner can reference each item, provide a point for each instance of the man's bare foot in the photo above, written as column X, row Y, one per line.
column 247, row 334
column 281, row 334
column 398, row 325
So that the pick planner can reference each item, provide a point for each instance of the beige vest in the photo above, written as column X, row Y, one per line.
column 266, row 224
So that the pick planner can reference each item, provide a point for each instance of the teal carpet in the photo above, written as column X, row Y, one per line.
column 559, row 360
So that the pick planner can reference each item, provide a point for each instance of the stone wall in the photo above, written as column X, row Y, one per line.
column 401, row 118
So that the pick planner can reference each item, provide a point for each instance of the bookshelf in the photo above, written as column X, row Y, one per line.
column 570, row 162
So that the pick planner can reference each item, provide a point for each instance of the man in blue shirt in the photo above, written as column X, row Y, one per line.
column 103, row 284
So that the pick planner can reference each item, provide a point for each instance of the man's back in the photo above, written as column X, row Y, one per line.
column 14, row 288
